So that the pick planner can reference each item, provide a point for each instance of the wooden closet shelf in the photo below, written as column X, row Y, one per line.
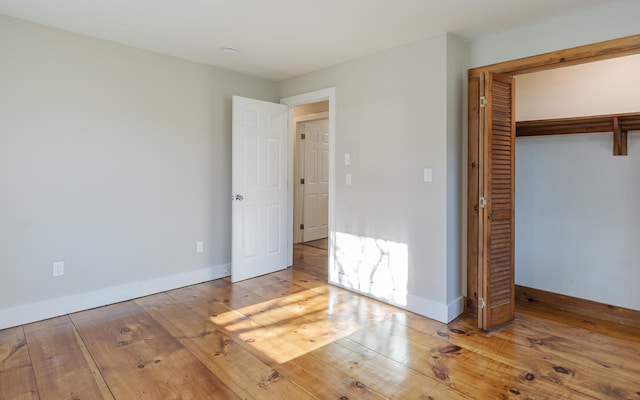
column 618, row 124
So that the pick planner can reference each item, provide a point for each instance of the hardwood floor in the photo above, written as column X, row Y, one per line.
column 320, row 243
column 289, row 335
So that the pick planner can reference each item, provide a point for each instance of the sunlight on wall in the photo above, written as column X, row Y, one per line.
column 372, row 266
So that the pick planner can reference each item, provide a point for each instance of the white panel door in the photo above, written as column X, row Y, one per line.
column 316, row 180
column 259, row 188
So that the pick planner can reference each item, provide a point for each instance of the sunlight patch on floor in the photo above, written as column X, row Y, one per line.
column 291, row 326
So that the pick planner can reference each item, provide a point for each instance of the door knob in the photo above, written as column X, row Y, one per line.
column 490, row 216
column 237, row 197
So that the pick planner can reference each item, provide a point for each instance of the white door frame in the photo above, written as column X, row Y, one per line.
column 306, row 98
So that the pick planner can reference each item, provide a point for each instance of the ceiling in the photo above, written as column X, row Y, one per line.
column 280, row 39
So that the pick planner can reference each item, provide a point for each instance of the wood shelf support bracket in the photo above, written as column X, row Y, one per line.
column 619, row 139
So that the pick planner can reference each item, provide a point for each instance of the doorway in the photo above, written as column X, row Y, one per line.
column 311, row 174
column 326, row 97
column 491, row 290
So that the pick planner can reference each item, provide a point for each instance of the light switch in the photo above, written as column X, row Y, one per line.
column 347, row 158
column 348, row 179
column 428, row 175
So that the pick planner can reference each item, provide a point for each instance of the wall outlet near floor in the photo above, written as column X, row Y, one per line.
column 199, row 247
column 58, row 268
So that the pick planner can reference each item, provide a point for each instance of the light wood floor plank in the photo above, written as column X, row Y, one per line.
column 463, row 370
column 258, row 331
column 324, row 381
column 63, row 369
column 141, row 360
column 611, row 329
column 233, row 296
column 17, row 380
column 244, row 374
column 301, row 278
column 549, row 357
column 287, row 327
column 270, row 286
column 383, row 374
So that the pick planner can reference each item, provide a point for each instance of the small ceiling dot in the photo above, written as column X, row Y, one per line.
column 230, row 51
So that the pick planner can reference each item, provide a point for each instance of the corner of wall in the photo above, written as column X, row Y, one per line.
column 456, row 67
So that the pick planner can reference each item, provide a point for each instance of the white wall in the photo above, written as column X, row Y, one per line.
column 114, row 160
column 577, row 221
column 396, row 235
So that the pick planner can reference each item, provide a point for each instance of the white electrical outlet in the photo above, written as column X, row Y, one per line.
column 58, row 268
column 199, row 247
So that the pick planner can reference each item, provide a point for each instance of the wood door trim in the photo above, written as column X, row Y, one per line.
column 573, row 56
column 586, row 308
column 563, row 58
column 473, row 193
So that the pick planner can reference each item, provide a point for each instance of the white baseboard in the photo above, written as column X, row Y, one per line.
column 55, row 307
column 456, row 308
column 440, row 312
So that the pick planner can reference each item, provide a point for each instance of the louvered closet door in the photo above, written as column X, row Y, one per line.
column 499, row 180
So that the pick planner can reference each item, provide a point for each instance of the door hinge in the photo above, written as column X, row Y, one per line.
column 483, row 101
column 483, row 202
column 301, row 226
column 481, row 303
column 302, row 136
column 302, row 181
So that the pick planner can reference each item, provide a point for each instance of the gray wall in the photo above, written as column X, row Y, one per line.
column 398, row 112
column 114, row 160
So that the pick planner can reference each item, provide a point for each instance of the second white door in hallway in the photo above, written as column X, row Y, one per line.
column 316, row 179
